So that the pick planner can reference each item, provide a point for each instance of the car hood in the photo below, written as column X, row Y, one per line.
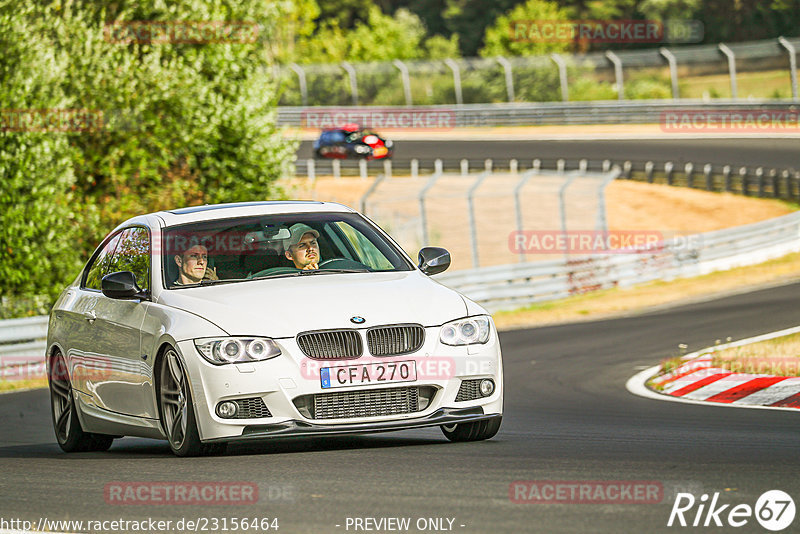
column 282, row 307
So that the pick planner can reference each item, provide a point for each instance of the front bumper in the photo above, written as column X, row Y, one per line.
column 294, row 428
column 281, row 381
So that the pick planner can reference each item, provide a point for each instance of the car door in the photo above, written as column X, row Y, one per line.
column 114, row 375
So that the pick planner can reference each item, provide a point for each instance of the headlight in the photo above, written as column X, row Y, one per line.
column 361, row 149
column 465, row 331
column 237, row 349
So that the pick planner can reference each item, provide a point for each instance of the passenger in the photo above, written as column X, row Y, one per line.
column 302, row 247
column 193, row 266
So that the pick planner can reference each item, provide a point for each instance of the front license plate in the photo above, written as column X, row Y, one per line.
column 368, row 374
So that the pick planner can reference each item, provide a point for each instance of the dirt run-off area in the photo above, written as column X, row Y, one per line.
column 630, row 207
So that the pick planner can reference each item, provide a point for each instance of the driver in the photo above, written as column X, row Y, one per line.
column 193, row 266
column 302, row 247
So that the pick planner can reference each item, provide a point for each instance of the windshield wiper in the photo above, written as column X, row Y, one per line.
column 322, row 271
column 220, row 281
column 275, row 275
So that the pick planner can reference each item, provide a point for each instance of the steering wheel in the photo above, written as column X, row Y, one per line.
column 327, row 262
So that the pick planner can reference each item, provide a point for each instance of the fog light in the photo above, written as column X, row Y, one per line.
column 487, row 387
column 227, row 409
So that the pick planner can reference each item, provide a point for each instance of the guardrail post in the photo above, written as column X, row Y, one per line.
column 437, row 166
column 773, row 180
column 518, row 205
column 707, row 175
column 725, row 49
column 537, row 164
column 606, row 165
column 614, row 58
column 689, row 171
column 743, row 178
column 792, row 63
column 509, row 77
column 387, row 168
column 414, row 167
column 562, row 76
column 310, row 170
column 488, row 164
column 560, row 166
column 456, row 79
column 513, row 166
column 362, row 168
column 760, row 181
column 673, row 71
column 648, row 171
column 787, row 184
column 797, row 183
column 628, row 168
column 406, row 79
column 602, row 220
column 464, row 167
column 583, row 165
column 562, row 209
column 422, row 213
column 373, row 186
column 726, row 178
column 351, row 72
column 301, row 78
column 337, row 168
column 668, row 168
column 473, row 231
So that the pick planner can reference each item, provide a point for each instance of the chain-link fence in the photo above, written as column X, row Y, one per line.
column 758, row 69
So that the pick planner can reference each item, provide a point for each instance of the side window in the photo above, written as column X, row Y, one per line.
column 133, row 254
column 368, row 253
column 99, row 268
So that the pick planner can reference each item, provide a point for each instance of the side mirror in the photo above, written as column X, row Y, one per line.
column 121, row 285
column 433, row 260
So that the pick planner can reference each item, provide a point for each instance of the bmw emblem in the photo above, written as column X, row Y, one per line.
column 357, row 320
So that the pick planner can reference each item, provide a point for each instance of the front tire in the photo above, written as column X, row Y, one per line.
column 477, row 431
column 177, row 410
column 67, row 426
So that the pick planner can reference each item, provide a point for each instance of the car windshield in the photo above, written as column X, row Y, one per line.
column 274, row 246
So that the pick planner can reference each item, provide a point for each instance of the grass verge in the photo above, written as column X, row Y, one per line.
column 779, row 357
column 28, row 383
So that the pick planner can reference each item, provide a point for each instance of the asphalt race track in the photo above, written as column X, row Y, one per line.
column 568, row 417
column 778, row 153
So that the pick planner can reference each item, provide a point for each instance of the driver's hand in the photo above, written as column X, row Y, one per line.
column 211, row 274
column 311, row 266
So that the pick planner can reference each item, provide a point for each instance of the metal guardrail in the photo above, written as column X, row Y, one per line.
column 513, row 286
column 757, row 181
column 532, row 114
column 22, row 347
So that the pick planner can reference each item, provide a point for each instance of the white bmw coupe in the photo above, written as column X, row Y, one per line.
column 260, row 320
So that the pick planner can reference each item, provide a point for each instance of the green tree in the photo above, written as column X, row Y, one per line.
column 37, row 227
column 518, row 32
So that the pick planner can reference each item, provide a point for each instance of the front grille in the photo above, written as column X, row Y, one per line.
column 331, row 344
column 395, row 340
column 365, row 403
column 469, row 390
column 251, row 408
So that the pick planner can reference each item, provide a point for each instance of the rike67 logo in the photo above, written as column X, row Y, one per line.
column 774, row 510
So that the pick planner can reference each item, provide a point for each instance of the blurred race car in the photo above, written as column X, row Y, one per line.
column 351, row 141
